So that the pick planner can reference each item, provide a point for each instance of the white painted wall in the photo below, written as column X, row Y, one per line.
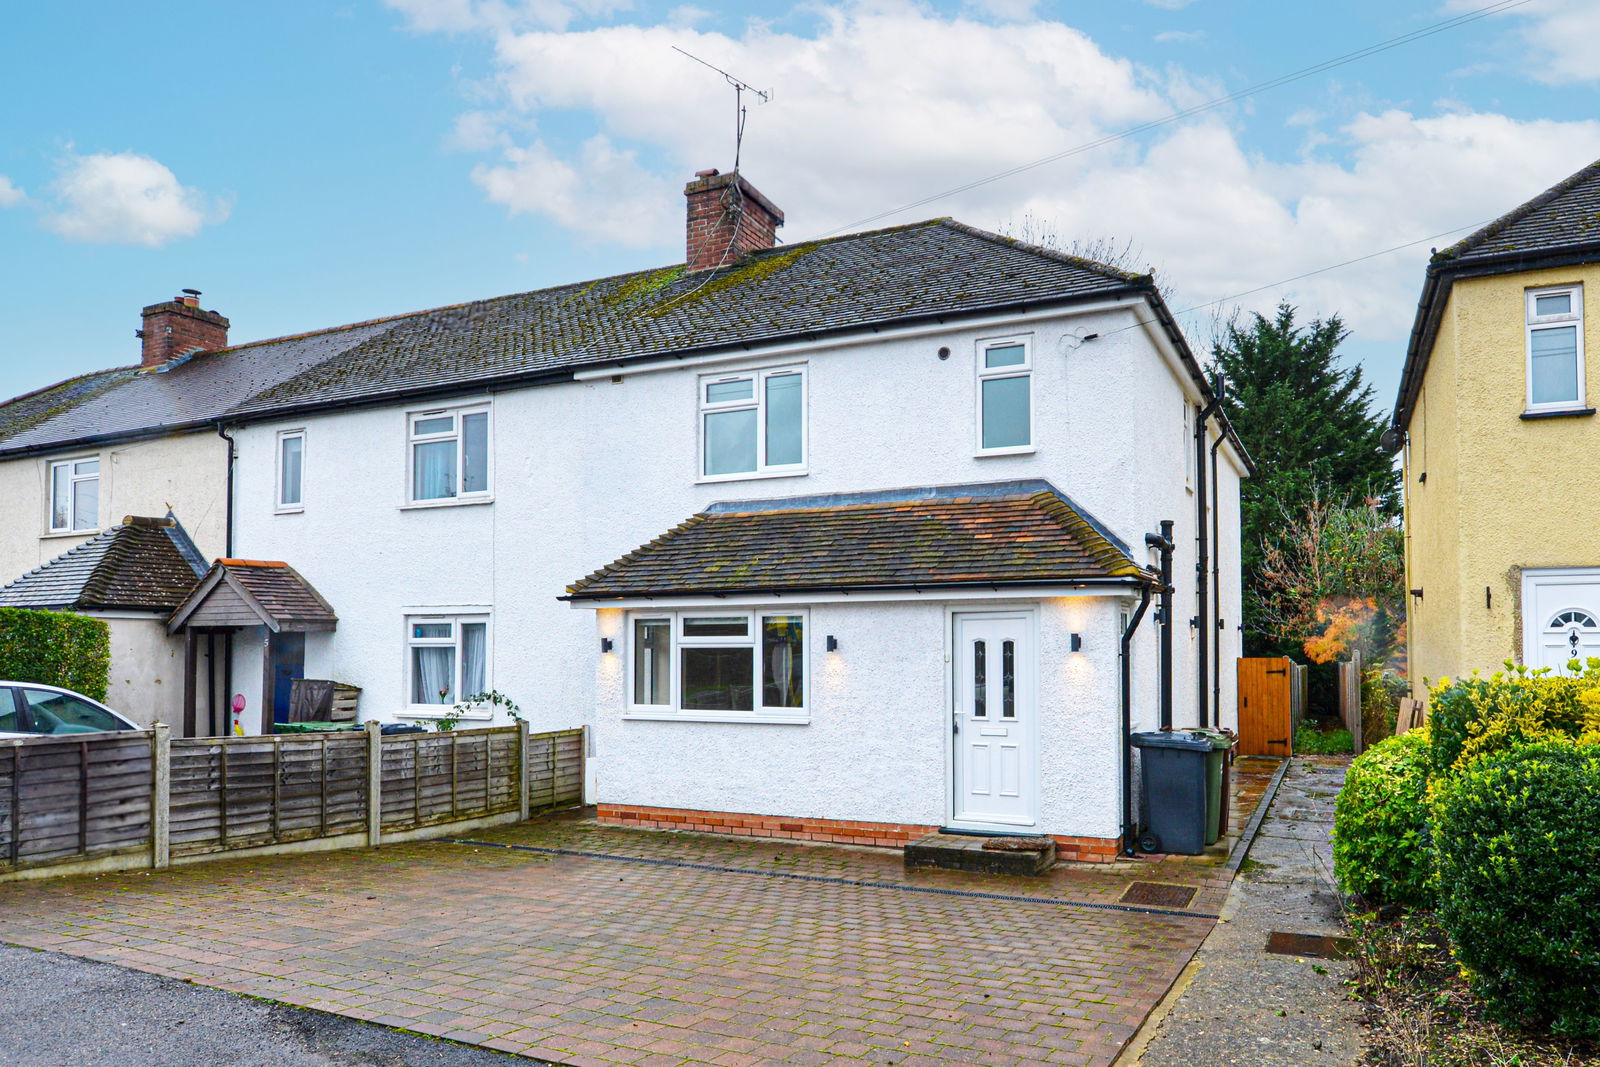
column 586, row 471
column 186, row 472
column 146, row 678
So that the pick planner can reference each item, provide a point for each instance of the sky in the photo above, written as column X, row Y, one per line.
column 309, row 163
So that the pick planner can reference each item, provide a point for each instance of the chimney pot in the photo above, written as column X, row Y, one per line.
column 728, row 218
column 177, row 328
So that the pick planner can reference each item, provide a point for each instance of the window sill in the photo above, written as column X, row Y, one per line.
column 430, row 714
column 708, row 479
column 428, row 505
column 296, row 510
column 1562, row 413
column 70, row 533
column 1020, row 450
column 801, row 719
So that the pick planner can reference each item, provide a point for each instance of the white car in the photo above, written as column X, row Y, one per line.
column 28, row 709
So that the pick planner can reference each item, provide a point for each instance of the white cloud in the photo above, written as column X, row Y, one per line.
column 463, row 16
column 126, row 198
column 10, row 195
column 1179, row 36
column 1561, row 37
column 885, row 104
column 1013, row 10
column 603, row 193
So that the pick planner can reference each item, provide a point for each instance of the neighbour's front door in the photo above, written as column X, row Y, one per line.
column 1560, row 617
column 994, row 722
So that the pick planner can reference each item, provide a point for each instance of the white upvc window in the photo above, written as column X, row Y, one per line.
column 447, row 659
column 449, row 455
column 1005, row 396
column 1555, row 348
column 753, row 423
column 718, row 665
column 75, row 495
column 291, row 470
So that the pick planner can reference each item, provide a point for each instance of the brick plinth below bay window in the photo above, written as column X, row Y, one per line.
column 827, row 831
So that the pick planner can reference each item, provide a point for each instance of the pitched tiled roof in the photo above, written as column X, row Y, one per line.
column 922, row 271
column 1560, row 225
column 926, row 269
column 1564, row 216
column 187, row 393
column 274, row 591
column 140, row 564
column 987, row 534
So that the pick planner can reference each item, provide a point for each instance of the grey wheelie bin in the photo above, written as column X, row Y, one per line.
column 1172, row 802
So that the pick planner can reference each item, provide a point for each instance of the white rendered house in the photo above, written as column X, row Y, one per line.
column 894, row 491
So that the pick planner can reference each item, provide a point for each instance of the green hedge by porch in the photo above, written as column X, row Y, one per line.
column 1381, row 845
column 55, row 648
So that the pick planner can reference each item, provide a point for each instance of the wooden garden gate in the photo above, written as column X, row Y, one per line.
column 1265, row 704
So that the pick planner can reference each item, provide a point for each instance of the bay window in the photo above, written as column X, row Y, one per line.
column 75, row 495
column 753, row 422
column 733, row 665
column 1554, row 330
column 447, row 659
column 449, row 455
column 1005, row 396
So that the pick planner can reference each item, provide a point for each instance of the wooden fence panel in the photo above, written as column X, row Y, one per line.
column 67, row 799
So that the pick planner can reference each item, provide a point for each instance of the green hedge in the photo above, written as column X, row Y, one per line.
column 1476, row 717
column 55, row 648
column 1381, row 844
column 1517, row 851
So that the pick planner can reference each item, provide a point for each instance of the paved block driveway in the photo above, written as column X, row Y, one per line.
column 626, row 946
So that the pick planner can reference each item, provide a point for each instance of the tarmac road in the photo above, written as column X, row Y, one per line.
column 60, row 1011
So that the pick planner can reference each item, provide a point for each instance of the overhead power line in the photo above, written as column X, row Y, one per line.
column 1497, row 8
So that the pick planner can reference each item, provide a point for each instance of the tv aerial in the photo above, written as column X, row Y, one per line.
column 740, row 112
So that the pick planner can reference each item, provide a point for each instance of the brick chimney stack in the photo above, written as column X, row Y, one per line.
column 177, row 328
column 728, row 218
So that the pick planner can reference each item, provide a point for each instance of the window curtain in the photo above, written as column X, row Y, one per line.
column 433, row 675
column 434, row 470
column 474, row 658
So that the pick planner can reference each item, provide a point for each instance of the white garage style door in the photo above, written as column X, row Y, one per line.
column 1560, row 617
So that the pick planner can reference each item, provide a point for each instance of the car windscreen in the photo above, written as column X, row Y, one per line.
column 60, row 713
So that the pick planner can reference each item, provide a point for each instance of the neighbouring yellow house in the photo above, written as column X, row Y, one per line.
column 1496, row 423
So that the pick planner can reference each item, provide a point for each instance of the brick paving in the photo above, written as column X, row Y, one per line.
column 797, row 954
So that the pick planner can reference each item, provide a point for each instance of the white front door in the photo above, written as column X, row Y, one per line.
column 994, row 721
column 1560, row 617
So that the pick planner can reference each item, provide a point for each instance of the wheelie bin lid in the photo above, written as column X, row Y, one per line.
column 1218, row 739
column 1183, row 739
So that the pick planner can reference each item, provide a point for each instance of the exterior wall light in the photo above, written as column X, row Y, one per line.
column 832, row 643
column 1076, row 643
column 607, row 645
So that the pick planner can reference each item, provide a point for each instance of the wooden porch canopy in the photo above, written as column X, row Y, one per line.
column 244, row 592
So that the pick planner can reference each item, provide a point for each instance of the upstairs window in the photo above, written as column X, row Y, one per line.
column 753, row 423
column 1005, row 396
column 449, row 455
column 1555, row 348
column 74, row 495
column 291, row 469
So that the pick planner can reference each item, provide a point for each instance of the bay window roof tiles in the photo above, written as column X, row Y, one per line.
column 987, row 534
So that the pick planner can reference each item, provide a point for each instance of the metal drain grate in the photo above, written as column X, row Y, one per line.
column 1158, row 895
column 1313, row 946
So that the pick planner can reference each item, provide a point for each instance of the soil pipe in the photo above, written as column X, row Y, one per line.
column 1130, row 829
column 1216, row 595
column 227, row 640
column 1202, row 561
column 1163, row 542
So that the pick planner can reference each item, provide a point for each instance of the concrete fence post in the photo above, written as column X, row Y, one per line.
column 374, row 782
column 586, row 751
column 524, row 750
column 160, row 795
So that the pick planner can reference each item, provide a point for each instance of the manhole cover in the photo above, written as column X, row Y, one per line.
column 1157, row 895
column 1314, row 946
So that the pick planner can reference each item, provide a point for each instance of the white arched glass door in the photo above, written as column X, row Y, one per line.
column 1560, row 617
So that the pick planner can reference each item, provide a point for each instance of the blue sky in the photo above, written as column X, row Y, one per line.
column 308, row 164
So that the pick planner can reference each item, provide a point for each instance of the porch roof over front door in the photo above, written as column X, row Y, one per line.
column 993, row 535
column 248, row 592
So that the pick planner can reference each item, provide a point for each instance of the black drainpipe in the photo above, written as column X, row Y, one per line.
column 1216, row 595
column 1130, row 829
column 1163, row 541
column 227, row 637
column 1202, row 559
